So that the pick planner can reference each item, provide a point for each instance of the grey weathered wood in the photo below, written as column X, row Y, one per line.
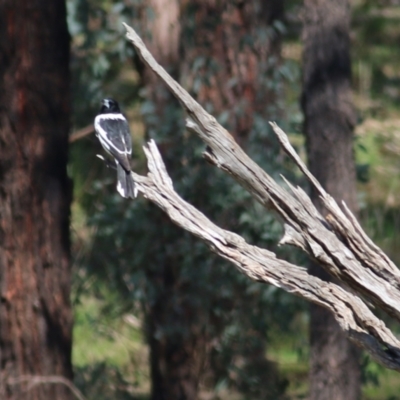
column 355, row 318
column 336, row 241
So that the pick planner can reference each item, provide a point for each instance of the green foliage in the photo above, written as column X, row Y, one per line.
column 99, row 51
column 109, row 355
column 101, row 381
column 101, row 67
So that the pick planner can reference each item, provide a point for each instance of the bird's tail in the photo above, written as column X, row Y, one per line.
column 126, row 186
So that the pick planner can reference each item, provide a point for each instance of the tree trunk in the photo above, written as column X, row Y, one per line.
column 329, row 122
column 35, row 312
column 175, row 359
column 178, row 350
column 240, row 50
column 218, row 38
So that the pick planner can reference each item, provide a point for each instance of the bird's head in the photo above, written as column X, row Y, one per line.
column 109, row 106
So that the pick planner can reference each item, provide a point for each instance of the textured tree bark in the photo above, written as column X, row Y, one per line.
column 329, row 122
column 35, row 193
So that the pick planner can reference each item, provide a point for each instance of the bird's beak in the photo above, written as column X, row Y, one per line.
column 105, row 102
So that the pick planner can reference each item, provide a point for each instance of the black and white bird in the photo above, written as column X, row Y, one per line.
column 112, row 130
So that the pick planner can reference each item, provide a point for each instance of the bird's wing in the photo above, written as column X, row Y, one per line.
column 115, row 137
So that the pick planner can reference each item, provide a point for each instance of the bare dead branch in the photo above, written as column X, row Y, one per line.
column 355, row 318
column 81, row 133
column 337, row 242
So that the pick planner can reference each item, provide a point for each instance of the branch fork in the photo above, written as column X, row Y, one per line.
column 337, row 242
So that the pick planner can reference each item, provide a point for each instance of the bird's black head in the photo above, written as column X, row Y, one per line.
column 109, row 106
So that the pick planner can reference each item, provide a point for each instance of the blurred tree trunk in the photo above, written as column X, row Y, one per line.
column 179, row 34
column 239, row 51
column 237, row 42
column 329, row 122
column 35, row 311
column 174, row 362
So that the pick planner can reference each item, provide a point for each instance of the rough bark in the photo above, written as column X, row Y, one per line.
column 35, row 312
column 329, row 122
column 337, row 242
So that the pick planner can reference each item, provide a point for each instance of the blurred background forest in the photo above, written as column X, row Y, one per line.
column 135, row 275
column 154, row 311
